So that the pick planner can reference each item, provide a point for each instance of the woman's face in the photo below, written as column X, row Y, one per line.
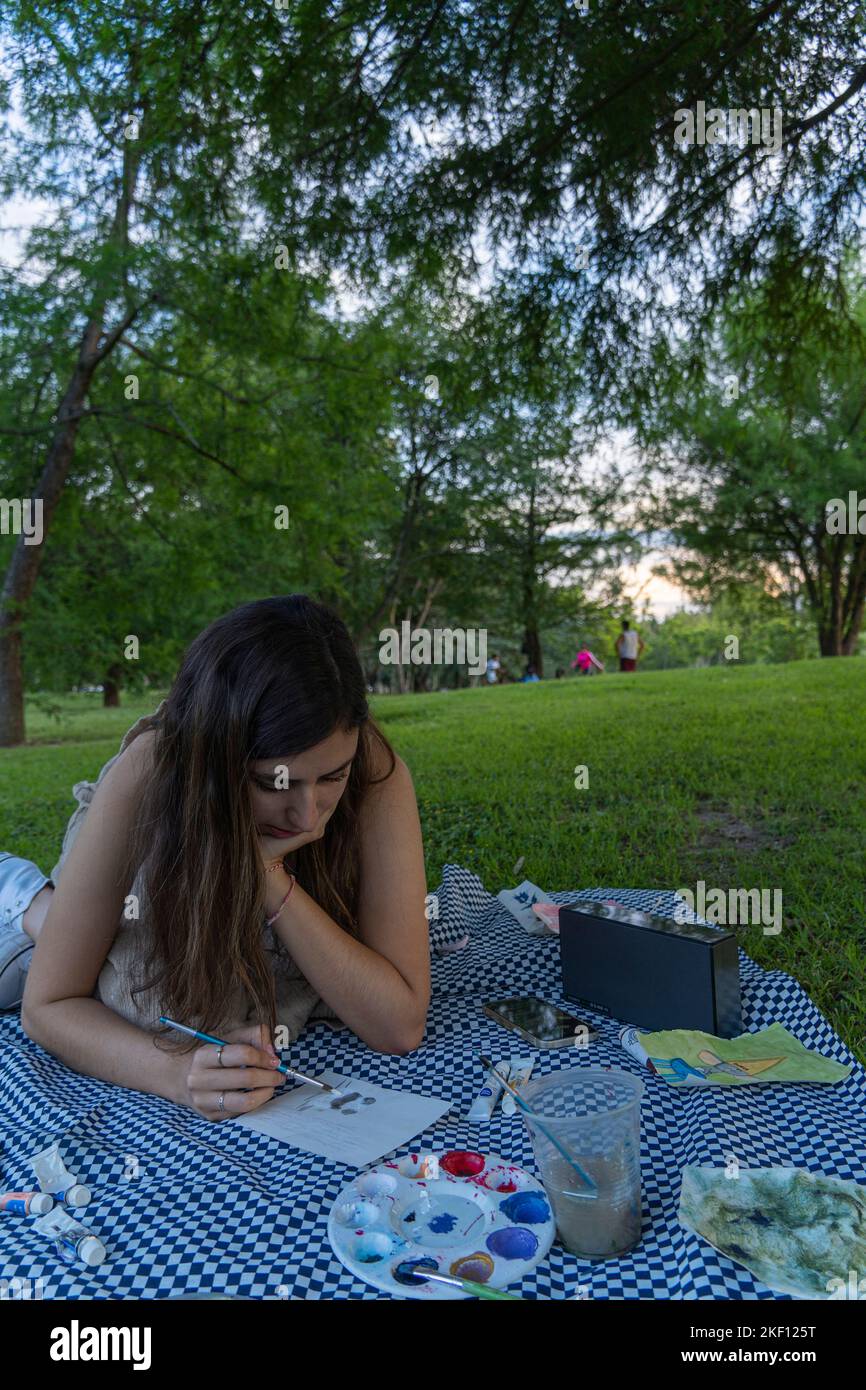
column 294, row 798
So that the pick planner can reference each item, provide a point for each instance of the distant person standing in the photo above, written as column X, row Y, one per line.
column 494, row 666
column 629, row 647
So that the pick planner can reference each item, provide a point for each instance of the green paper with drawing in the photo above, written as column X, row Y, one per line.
column 688, row 1058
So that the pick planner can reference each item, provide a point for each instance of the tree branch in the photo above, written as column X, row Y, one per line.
column 129, row 418
column 182, row 374
column 117, row 333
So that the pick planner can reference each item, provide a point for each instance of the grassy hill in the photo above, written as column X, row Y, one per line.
column 742, row 777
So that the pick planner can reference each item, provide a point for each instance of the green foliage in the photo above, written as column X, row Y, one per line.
column 442, row 162
column 741, row 776
column 747, row 463
column 765, row 631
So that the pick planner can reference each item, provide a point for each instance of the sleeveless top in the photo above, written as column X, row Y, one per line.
column 297, row 1002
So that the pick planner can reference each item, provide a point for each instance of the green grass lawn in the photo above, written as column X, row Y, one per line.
column 744, row 777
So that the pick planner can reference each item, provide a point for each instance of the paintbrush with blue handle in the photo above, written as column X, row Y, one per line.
column 221, row 1042
column 536, row 1120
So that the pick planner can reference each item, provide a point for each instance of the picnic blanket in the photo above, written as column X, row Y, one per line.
column 184, row 1205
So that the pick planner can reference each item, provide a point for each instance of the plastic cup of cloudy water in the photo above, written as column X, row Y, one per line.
column 594, row 1116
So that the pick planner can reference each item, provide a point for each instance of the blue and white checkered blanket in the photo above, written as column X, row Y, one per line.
column 184, row 1206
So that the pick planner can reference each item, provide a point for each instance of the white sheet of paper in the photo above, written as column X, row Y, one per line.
column 519, row 902
column 357, row 1127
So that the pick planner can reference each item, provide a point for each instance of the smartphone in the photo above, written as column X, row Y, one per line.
column 540, row 1023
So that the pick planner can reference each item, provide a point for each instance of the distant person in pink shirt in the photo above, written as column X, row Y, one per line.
column 586, row 663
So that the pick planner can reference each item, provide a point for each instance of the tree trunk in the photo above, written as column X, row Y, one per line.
column 412, row 493
column 851, row 640
column 11, row 685
column 855, row 599
column 531, row 638
column 829, row 642
column 532, row 647
column 27, row 559
column 111, row 686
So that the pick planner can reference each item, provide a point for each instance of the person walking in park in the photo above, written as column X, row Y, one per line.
column 251, row 857
column 629, row 646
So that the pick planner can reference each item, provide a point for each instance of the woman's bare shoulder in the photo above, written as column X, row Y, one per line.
column 390, row 800
column 386, row 766
column 131, row 767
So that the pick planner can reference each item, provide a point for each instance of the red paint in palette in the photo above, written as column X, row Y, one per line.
column 508, row 1185
column 463, row 1163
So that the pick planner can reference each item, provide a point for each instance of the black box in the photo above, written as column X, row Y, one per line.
column 650, row 971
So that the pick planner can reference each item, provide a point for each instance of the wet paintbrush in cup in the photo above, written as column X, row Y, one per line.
column 572, row 1162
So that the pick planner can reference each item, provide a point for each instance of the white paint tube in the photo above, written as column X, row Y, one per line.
column 53, row 1176
column 520, row 1070
column 72, row 1240
column 26, row 1203
column 51, row 1172
column 75, row 1196
column 484, row 1103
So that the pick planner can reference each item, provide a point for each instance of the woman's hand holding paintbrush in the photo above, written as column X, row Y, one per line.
column 239, row 1076
column 236, row 1074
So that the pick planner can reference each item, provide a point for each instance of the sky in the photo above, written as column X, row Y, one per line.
column 646, row 590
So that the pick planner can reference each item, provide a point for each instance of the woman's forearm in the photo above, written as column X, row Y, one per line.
column 363, row 988
column 92, row 1039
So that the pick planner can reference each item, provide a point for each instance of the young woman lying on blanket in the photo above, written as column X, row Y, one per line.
column 250, row 859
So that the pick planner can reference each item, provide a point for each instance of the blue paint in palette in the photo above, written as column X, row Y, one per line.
column 527, row 1208
column 514, row 1243
column 412, row 1271
column 468, row 1221
column 443, row 1223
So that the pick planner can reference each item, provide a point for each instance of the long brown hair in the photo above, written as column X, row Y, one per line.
column 268, row 680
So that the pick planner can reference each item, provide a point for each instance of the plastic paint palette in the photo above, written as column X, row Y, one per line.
column 467, row 1214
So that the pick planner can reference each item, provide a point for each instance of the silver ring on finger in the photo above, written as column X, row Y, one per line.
column 221, row 1102
column 220, row 1054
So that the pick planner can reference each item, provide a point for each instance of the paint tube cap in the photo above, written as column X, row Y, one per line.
column 91, row 1250
column 77, row 1196
column 40, row 1203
